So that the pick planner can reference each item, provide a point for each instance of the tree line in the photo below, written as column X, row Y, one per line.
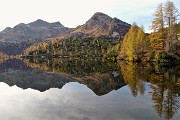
column 161, row 45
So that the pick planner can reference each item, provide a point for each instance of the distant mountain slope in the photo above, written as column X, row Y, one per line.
column 98, row 25
column 15, row 40
column 94, row 38
column 15, row 72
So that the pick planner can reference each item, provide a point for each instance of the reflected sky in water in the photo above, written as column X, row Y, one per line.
column 103, row 91
column 74, row 102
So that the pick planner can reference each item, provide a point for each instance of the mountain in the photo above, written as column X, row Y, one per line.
column 15, row 40
column 102, row 84
column 94, row 38
column 99, row 25
column 15, row 72
column 100, row 77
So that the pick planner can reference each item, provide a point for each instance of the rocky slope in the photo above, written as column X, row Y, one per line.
column 100, row 25
column 15, row 40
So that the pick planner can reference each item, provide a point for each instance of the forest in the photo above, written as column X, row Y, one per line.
column 161, row 45
column 81, row 47
column 163, row 79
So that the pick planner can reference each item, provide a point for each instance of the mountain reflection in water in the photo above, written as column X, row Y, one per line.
column 160, row 82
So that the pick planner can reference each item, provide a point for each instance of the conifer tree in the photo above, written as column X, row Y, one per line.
column 140, row 41
column 171, row 15
column 158, row 22
column 131, row 43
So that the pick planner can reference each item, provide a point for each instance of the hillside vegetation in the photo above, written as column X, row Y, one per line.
column 82, row 47
column 100, row 36
column 103, row 36
column 162, row 45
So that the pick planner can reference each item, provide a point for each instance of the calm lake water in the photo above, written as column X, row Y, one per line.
column 71, row 89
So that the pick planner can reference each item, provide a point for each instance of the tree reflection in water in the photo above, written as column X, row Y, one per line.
column 100, row 76
column 164, row 83
column 164, row 79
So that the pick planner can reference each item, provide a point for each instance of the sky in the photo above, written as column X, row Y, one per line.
column 72, row 13
column 75, row 102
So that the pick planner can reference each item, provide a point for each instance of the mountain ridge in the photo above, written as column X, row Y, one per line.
column 15, row 40
column 100, row 24
column 25, row 76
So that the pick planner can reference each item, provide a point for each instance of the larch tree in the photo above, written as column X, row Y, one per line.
column 158, row 22
column 132, row 42
column 129, row 46
column 171, row 15
column 140, row 41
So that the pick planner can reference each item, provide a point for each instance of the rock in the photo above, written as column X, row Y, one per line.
column 16, row 40
column 101, row 24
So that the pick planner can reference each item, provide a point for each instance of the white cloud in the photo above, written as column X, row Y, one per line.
column 82, row 104
column 72, row 13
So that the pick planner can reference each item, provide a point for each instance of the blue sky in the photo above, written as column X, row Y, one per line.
column 72, row 13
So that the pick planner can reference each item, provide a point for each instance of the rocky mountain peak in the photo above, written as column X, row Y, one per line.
column 99, row 19
column 42, row 23
column 39, row 23
column 15, row 40
column 100, row 14
column 20, row 26
column 6, row 29
column 57, row 24
column 101, row 24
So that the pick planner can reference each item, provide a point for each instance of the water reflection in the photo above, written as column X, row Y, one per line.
column 164, row 83
column 73, row 102
column 155, row 83
column 98, row 75
column 78, row 67
column 15, row 72
column 101, row 80
column 165, row 93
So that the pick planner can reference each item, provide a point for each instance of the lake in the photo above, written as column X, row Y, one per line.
column 88, row 89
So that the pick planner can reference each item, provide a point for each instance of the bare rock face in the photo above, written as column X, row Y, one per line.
column 98, row 19
column 15, row 40
column 101, row 24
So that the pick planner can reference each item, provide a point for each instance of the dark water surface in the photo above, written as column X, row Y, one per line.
column 72, row 89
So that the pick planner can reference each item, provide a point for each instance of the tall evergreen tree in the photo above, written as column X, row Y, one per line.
column 158, row 22
column 171, row 15
column 140, row 41
column 132, row 42
column 132, row 45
